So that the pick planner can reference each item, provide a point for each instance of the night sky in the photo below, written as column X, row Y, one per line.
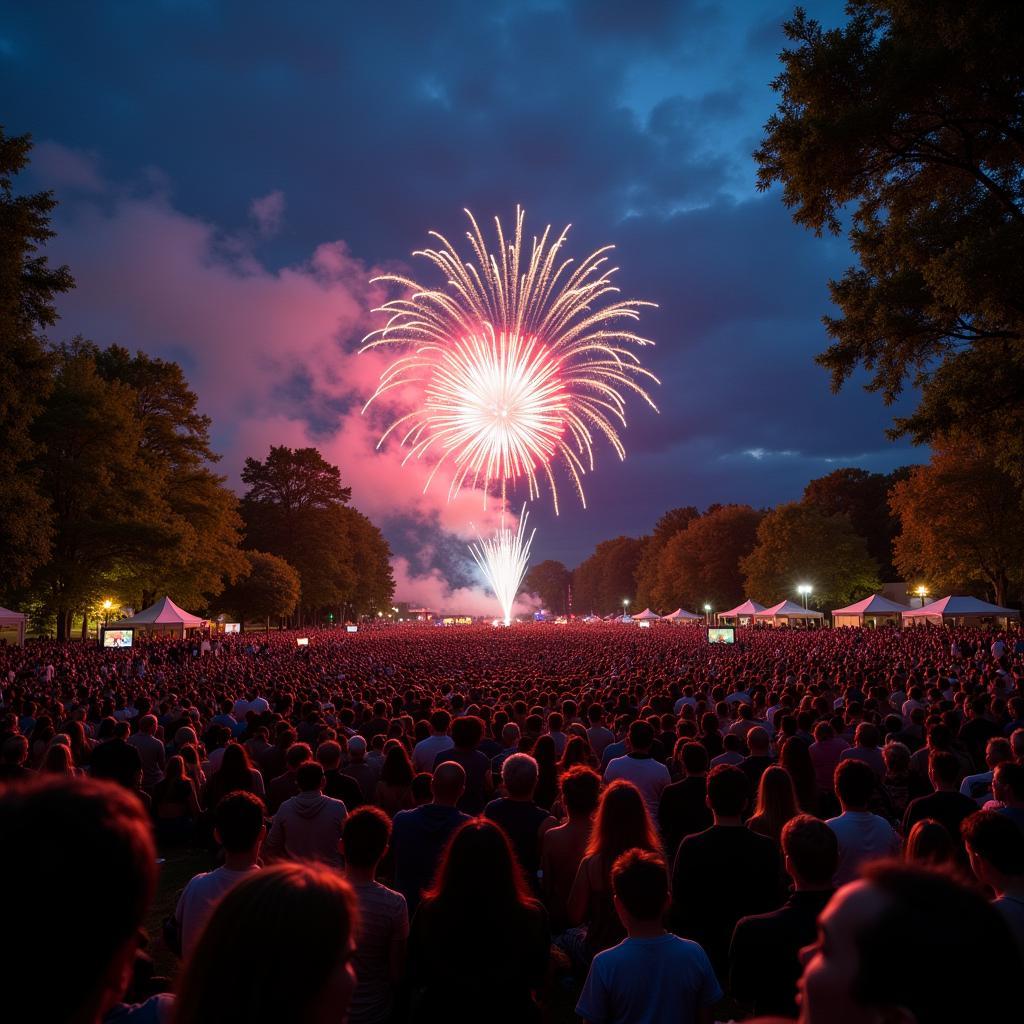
column 231, row 174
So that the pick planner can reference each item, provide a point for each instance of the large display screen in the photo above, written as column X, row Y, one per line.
column 232, row 627
column 118, row 637
column 721, row 635
column 351, row 629
column 302, row 641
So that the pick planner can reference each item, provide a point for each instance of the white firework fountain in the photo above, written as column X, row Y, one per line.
column 504, row 559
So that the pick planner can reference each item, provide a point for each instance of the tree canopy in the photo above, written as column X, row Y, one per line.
column 550, row 581
column 607, row 577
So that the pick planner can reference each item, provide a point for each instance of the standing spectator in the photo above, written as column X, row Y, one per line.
column 12, row 765
column 118, row 760
column 523, row 821
column 651, row 976
column 336, row 783
column 764, row 957
column 947, row 804
column 865, row 748
column 929, row 844
column 394, row 788
column 760, row 757
column 237, row 773
column 862, row 836
column 467, row 732
column 307, row 827
column 364, row 770
column 826, row 752
column 1008, row 789
column 683, row 809
column 725, row 872
column 151, row 752
column 776, row 803
column 979, row 786
column 598, row 735
column 239, row 829
column 383, row 929
column 285, row 785
column 795, row 757
column 639, row 766
column 424, row 754
column 995, row 847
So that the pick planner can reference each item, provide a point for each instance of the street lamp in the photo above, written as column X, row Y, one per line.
column 625, row 605
column 922, row 592
column 107, row 605
column 707, row 614
column 804, row 591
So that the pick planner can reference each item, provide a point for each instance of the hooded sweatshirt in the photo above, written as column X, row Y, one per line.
column 307, row 827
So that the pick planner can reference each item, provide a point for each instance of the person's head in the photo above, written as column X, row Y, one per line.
column 15, row 750
column 995, row 846
column 448, row 783
column 728, row 791
column 581, row 789
column 1008, row 783
column 944, row 769
column 776, row 798
column 641, row 737
column 811, row 852
column 238, row 822
column 695, row 759
column 440, row 721
column 298, row 754
column 58, row 761
column 357, row 749
column 758, row 742
column 997, row 751
column 309, row 777
column 622, row 822
column 896, row 757
column 639, row 888
column 873, row 965
column 147, row 725
column 396, row 770
column 866, row 735
column 855, row 782
column 467, row 732
column 288, row 930
column 519, row 776
column 510, row 735
column 929, row 844
column 329, row 755
column 61, row 836
column 174, row 771
column 365, row 836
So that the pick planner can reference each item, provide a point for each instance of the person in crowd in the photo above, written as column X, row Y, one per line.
column 764, row 955
column 546, row 791
column 278, row 947
column 598, row 734
column 899, row 784
column 383, row 929
column 946, row 804
column 72, row 835
column 563, row 847
column 826, row 752
column 795, row 757
column 523, row 821
column 467, row 732
column 307, row 827
column 394, row 787
column 651, row 976
column 979, row 785
column 995, row 847
column 118, row 760
column 862, row 836
column 58, row 761
column 13, row 761
column 478, row 933
column 760, row 757
column 639, row 766
column 420, row 835
column 336, row 783
column 151, row 751
column 930, row 844
column 175, row 806
column 865, row 748
column 776, row 803
column 236, row 772
column 621, row 823
column 683, row 808
column 725, row 872
column 239, row 829
column 286, row 785
column 1008, row 790
column 361, row 767
column 424, row 754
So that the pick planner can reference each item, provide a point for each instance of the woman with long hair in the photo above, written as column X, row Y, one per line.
column 394, row 788
column 479, row 944
column 776, row 803
column 621, row 823
column 235, row 772
column 58, row 761
column 278, row 947
column 175, row 806
column 930, row 845
column 81, row 745
column 796, row 759
column 577, row 751
column 193, row 765
column 544, row 754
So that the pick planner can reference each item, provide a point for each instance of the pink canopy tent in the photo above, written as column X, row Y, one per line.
column 788, row 612
column 958, row 610
column 163, row 617
column 747, row 611
column 15, row 621
column 875, row 610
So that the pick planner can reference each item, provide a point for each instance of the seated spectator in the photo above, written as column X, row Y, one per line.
column 725, row 872
column 639, row 766
column 930, row 845
column 175, row 807
column 826, row 752
column 278, row 947
column 419, row 836
column 307, row 827
column 764, row 957
column 759, row 758
column 236, row 773
column 862, row 836
column 651, row 976
column 151, row 751
column 522, row 820
column 947, row 804
column 479, row 934
column 61, row 836
column 865, row 748
column 467, row 732
column 979, row 786
column 238, row 827
column 117, row 760
column 286, row 785
column 683, row 808
column 776, row 803
column 563, row 847
column 14, row 756
column 393, row 792
column 336, row 783
column 383, row 928
column 870, row 963
column 995, row 847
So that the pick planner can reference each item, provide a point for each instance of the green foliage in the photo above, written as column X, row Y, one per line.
column 912, row 115
column 28, row 286
column 796, row 543
column 269, row 590
column 665, row 528
column 960, row 518
column 607, row 577
column 370, row 554
column 550, row 581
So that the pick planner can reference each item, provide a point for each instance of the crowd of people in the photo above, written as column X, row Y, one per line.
column 472, row 824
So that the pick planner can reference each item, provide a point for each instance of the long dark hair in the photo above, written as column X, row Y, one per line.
column 396, row 770
column 622, row 823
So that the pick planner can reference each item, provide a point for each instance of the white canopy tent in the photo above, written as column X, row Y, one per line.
column 875, row 610
column 788, row 612
column 961, row 611
column 15, row 621
column 163, row 617
column 747, row 611
column 646, row 616
column 682, row 615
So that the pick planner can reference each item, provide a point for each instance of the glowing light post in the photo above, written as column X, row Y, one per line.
column 625, row 606
column 804, row 590
column 707, row 614
column 107, row 605
column 504, row 559
column 922, row 593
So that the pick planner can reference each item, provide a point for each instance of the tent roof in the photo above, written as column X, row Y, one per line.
column 959, row 606
column 789, row 610
column 647, row 614
column 7, row 616
column 682, row 613
column 876, row 604
column 747, row 608
column 164, row 613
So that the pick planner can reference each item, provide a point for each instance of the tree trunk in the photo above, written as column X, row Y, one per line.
column 85, row 625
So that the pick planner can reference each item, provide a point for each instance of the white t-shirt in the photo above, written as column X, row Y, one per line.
column 648, row 775
column 199, row 899
column 863, row 837
column 424, row 753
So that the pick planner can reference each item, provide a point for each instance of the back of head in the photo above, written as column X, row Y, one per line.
column 449, row 782
column 365, row 835
column 695, row 758
column 467, row 732
column 641, row 736
column 944, row 767
column 329, row 754
column 1010, row 776
column 811, row 848
column 357, row 748
column 728, row 791
column 440, row 720
column 581, row 788
column 66, row 835
column 310, row 776
column 758, row 741
column 238, row 819
column 996, row 839
column 640, row 883
column 519, row 775
column 854, row 782
column 622, row 823
column 298, row 753
column 286, row 930
column 929, row 843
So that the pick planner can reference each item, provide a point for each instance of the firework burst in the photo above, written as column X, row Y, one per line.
column 503, row 559
column 522, row 361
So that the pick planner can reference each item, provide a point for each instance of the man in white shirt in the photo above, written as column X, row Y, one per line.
column 239, row 828
column 424, row 754
column 862, row 836
column 639, row 767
